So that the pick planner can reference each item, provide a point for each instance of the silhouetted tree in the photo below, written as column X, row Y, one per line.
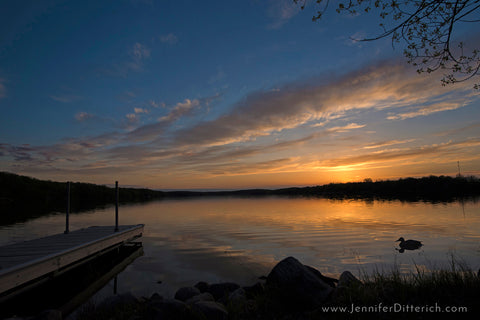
column 426, row 28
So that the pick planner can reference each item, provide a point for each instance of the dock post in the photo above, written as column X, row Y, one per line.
column 116, row 206
column 68, row 209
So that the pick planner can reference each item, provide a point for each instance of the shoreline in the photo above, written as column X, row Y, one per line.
column 296, row 291
column 46, row 197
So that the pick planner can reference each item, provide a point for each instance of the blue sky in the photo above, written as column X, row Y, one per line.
column 219, row 94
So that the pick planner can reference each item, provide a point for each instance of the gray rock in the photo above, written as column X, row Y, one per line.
column 119, row 299
column 211, row 310
column 185, row 293
column 255, row 290
column 222, row 290
column 200, row 297
column 155, row 298
column 168, row 309
column 297, row 284
column 202, row 286
column 238, row 296
column 347, row 279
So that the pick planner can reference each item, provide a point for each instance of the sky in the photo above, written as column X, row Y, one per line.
column 221, row 95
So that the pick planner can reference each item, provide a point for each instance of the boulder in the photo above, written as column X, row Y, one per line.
column 202, row 286
column 167, row 309
column 254, row 291
column 296, row 284
column 330, row 281
column 238, row 296
column 211, row 310
column 222, row 290
column 155, row 298
column 347, row 279
column 114, row 301
column 185, row 293
column 200, row 297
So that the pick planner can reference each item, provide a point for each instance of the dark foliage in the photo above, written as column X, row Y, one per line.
column 23, row 198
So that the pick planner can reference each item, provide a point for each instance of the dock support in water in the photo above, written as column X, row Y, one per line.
column 116, row 206
column 67, row 230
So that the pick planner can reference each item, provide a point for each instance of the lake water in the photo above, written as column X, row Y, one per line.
column 240, row 239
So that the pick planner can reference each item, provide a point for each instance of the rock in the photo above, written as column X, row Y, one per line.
column 238, row 296
column 156, row 298
column 330, row 281
column 119, row 299
column 200, row 297
column 202, row 286
column 347, row 279
column 185, row 293
column 168, row 309
column 211, row 310
column 296, row 284
column 49, row 315
column 220, row 290
column 255, row 290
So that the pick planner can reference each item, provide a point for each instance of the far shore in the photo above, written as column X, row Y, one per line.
column 45, row 197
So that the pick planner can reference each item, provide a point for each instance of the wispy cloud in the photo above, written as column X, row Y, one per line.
column 420, row 153
column 281, row 11
column 377, row 87
column 83, row 116
column 388, row 143
column 169, row 38
column 180, row 109
column 428, row 110
column 66, row 98
column 137, row 55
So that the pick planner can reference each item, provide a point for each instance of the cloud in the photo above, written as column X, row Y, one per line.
column 83, row 116
column 379, row 87
column 420, row 153
column 180, row 109
column 66, row 98
column 169, row 38
column 137, row 55
column 387, row 143
column 155, row 104
column 281, row 11
column 153, row 130
column 425, row 111
column 140, row 110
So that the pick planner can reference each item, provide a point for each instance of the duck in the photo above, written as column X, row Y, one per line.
column 409, row 244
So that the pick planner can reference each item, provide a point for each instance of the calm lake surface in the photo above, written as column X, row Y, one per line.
column 240, row 239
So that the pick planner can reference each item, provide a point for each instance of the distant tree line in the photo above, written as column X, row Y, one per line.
column 432, row 188
column 23, row 198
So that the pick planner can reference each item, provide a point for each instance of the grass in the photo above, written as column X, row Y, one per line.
column 419, row 294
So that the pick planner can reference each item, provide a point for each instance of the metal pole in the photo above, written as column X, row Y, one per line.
column 68, row 209
column 116, row 206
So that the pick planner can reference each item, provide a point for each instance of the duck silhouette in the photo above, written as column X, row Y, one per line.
column 408, row 244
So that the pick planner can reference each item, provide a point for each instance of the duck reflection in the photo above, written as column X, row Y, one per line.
column 408, row 245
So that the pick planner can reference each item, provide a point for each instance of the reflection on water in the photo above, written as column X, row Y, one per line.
column 240, row 239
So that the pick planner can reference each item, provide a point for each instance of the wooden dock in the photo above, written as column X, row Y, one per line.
column 23, row 263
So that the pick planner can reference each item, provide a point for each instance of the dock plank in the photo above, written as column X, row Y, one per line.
column 28, row 260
